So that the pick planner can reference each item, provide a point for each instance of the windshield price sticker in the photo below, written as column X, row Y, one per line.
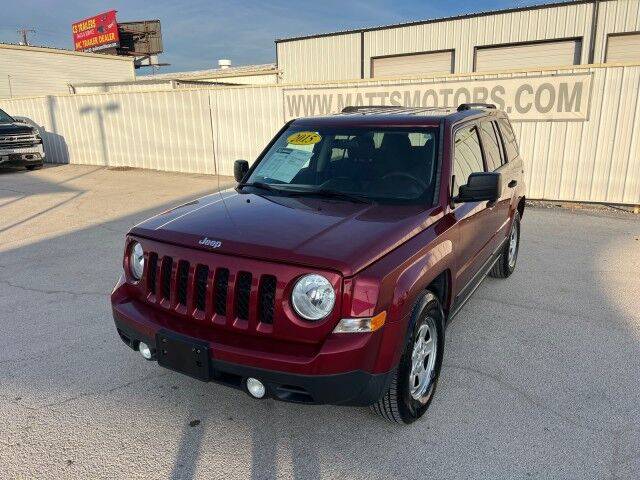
column 284, row 164
column 304, row 138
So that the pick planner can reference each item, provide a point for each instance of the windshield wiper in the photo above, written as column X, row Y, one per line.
column 260, row 185
column 325, row 192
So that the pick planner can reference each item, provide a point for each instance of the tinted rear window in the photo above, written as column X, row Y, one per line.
column 491, row 145
column 510, row 143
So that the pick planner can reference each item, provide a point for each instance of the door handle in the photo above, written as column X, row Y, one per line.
column 512, row 183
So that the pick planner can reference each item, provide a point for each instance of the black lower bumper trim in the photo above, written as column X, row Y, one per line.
column 355, row 388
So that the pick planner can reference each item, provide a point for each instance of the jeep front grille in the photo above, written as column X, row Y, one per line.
column 266, row 302
column 183, row 277
column 206, row 289
column 167, row 265
column 220, row 295
column 153, row 266
column 243, row 291
column 202, row 275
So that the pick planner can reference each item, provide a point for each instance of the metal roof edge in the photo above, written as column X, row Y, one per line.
column 62, row 51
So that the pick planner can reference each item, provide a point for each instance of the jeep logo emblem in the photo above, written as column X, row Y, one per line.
column 210, row 243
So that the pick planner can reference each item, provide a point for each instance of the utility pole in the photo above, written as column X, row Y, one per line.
column 24, row 32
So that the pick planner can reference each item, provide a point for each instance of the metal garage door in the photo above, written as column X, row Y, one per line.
column 412, row 64
column 623, row 48
column 525, row 55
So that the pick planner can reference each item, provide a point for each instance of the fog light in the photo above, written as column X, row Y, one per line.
column 145, row 351
column 255, row 387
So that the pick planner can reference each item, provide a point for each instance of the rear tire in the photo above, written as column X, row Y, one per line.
column 506, row 263
column 415, row 379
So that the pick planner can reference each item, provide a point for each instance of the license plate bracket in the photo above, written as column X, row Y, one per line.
column 183, row 354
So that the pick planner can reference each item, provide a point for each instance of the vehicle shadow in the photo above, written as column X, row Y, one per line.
column 524, row 389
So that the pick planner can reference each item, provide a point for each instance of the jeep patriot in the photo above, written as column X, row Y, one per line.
column 329, row 273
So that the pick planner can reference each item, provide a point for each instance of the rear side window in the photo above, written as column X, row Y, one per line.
column 491, row 144
column 467, row 157
column 510, row 143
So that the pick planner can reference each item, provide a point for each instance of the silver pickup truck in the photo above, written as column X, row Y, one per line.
column 20, row 144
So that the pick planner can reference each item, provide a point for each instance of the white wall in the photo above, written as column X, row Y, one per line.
column 593, row 156
column 27, row 71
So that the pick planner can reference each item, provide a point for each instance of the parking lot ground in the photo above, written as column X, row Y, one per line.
column 541, row 375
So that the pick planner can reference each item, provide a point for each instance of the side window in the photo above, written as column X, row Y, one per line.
column 467, row 157
column 491, row 146
column 510, row 143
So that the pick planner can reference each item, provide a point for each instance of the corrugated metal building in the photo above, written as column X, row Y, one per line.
column 560, row 34
column 27, row 70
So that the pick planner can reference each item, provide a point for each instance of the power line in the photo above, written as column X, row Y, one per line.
column 24, row 32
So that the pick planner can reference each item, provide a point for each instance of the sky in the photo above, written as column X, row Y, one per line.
column 196, row 33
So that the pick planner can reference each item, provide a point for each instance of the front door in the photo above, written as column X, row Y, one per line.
column 474, row 223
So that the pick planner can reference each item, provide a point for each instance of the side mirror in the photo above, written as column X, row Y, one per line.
column 480, row 187
column 240, row 169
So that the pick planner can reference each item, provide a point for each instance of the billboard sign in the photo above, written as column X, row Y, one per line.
column 531, row 98
column 96, row 33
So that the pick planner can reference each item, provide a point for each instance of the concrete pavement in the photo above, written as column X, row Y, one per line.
column 541, row 375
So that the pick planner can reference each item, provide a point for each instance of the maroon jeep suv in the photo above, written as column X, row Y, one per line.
column 329, row 273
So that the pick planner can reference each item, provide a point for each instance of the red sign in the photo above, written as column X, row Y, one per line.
column 96, row 33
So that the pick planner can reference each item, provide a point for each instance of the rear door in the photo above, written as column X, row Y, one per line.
column 513, row 170
column 496, row 162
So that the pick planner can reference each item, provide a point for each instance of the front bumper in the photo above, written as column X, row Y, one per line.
column 355, row 388
column 22, row 156
column 344, row 370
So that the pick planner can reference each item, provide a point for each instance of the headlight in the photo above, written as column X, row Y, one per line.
column 136, row 260
column 313, row 297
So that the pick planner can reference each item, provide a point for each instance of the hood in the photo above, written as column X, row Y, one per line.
column 15, row 128
column 318, row 232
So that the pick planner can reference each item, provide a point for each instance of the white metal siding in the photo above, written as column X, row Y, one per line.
column 320, row 59
column 246, row 120
column 416, row 64
column 39, row 71
column 623, row 48
column 570, row 21
column 156, row 130
column 512, row 57
column 596, row 159
column 615, row 17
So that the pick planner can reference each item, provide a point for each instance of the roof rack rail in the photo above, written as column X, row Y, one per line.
column 388, row 109
column 360, row 108
column 469, row 106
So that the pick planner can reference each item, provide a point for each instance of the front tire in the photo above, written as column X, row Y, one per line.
column 506, row 263
column 414, row 381
column 34, row 167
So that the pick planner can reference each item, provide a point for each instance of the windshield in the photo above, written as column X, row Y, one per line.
column 5, row 118
column 383, row 165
